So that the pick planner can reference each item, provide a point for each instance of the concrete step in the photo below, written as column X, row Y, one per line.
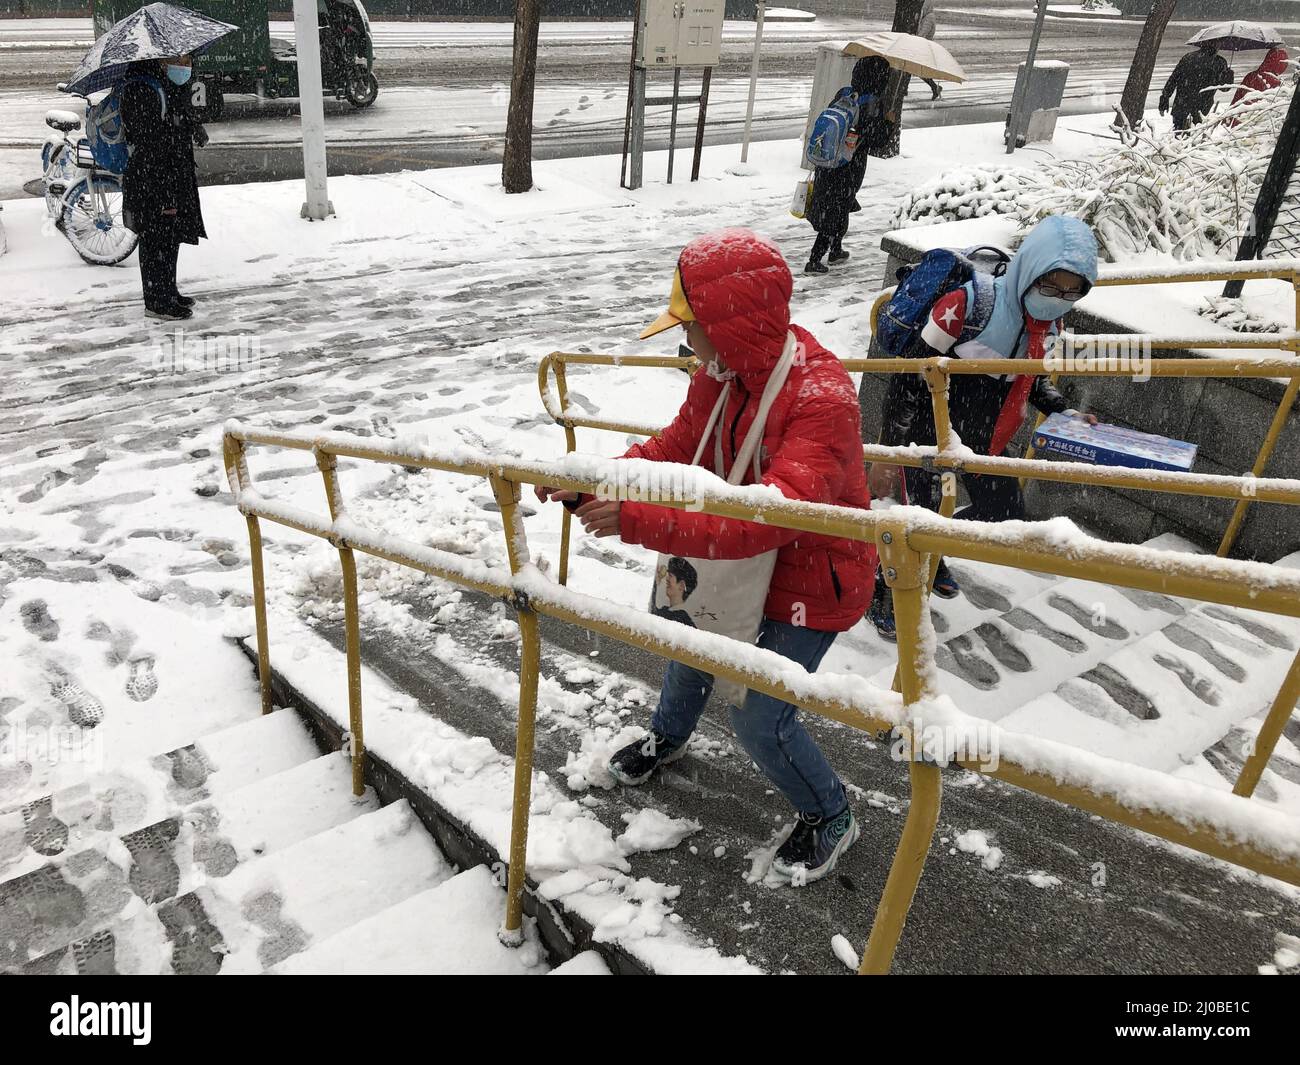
column 450, row 929
column 82, row 891
column 266, row 910
column 122, row 800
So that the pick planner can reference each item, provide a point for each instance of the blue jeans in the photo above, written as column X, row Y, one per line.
column 768, row 729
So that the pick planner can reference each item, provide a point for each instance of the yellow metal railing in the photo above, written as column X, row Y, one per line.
column 1245, row 490
column 1224, row 826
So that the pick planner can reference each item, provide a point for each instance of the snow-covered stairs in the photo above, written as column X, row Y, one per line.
column 278, row 857
column 1177, row 685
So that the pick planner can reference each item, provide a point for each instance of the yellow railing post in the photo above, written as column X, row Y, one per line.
column 259, row 613
column 1261, row 463
column 1278, row 715
column 570, row 446
column 328, row 466
column 904, row 571
column 530, row 661
column 236, row 462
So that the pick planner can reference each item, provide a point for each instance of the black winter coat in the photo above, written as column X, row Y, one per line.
column 835, row 191
column 1195, row 74
column 160, row 174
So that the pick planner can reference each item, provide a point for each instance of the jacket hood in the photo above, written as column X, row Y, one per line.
column 739, row 285
column 1274, row 63
column 1058, row 242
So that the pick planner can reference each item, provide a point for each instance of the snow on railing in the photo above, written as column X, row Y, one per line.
column 1224, row 825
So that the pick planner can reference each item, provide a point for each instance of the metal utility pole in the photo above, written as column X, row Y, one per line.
column 311, row 105
column 517, row 160
column 1277, row 179
column 753, row 79
column 1022, row 79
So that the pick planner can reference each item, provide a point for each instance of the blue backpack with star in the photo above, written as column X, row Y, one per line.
column 920, row 287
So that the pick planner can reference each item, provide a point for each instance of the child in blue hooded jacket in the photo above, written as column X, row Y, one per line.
column 1054, row 268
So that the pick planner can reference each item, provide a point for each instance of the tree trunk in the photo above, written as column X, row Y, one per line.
column 517, row 162
column 907, row 19
column 1134, row 101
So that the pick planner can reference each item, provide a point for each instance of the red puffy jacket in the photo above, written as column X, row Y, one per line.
column 739, row 286
column 1268, row 75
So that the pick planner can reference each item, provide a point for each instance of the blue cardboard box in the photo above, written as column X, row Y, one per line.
column 1111, row 445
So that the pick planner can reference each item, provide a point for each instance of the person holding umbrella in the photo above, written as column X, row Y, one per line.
column 835, row 192
column 160, row 188
column 147, row 60
column 1192, row 85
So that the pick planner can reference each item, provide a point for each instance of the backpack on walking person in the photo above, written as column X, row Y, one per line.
column 105, row 130
column 939, row 271
column 834, row 137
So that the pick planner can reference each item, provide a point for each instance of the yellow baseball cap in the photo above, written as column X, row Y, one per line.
column 679, row 310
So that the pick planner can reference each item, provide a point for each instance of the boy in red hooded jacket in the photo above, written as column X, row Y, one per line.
column 732, row 295
column 1268, row 75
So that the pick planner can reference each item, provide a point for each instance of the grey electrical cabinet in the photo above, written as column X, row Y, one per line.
column 1043, row 93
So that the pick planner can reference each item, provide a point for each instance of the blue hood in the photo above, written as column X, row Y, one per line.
column 1056, row 243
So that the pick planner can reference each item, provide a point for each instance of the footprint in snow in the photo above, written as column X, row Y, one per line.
column 37, row 620
column 84, row 710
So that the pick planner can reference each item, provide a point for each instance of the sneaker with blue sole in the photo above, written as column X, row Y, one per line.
column 814, row 846
column 636, row 763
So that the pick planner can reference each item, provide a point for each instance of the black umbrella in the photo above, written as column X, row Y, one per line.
column 156, row 31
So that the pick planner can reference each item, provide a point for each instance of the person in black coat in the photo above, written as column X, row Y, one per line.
column 1192, row 83
column 160, row 191
column 835, row 191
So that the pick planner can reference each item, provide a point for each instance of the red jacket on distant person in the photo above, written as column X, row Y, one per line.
column 739, row 286
column 1268, row 75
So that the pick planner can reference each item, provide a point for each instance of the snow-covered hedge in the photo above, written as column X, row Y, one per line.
column 1235, row 315
column 1188, row 197
column 971, row 192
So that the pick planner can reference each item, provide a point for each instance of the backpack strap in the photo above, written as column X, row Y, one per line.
column 979, row 304
column 145, row 79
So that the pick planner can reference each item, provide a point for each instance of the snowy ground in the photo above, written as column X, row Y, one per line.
column 422, row 308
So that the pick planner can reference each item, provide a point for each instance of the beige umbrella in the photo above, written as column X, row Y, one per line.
column 909, row 53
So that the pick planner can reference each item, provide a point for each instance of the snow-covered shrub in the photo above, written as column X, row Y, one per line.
column 1235, row 315
column 1188, row 197
column 971, row 192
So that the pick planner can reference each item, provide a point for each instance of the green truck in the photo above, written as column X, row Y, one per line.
column 251, row 61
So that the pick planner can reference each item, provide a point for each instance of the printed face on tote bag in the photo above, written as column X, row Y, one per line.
column 724, row 596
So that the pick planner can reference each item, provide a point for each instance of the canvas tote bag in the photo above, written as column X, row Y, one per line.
column 725, row 596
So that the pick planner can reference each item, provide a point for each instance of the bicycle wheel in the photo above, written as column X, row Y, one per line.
column 92, row 221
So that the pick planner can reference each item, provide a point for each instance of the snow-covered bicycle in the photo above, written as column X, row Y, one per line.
column 83, row 201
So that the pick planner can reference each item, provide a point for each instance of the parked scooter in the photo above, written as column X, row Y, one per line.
column 83, row 202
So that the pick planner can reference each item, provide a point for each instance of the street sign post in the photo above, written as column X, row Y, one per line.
column 311, row 101
column 753, row 78
column 1022, row 79
column 669, row 35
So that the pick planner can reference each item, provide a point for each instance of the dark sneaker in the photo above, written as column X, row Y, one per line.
column 184, row 301
column 882, row 617
column 636, row 762
column 816, row 268
column 945, row 584
column 814, row 846
column 168, row 312
column 837, row 257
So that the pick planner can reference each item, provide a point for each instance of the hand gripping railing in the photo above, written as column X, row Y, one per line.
column 1217, row 824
